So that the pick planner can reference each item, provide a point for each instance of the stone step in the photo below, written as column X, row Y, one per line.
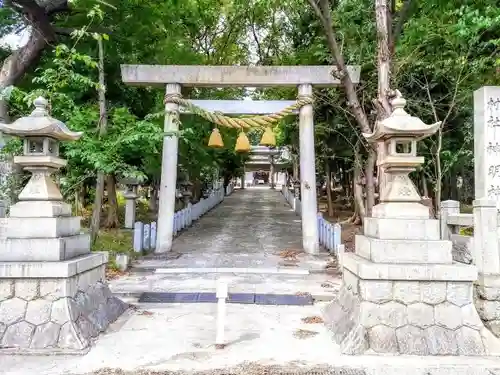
column 322, row 287
column 270, row 261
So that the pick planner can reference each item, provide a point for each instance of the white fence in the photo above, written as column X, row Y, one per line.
column 482, row 247
column 329, row 234
column 229, row 188
column 145, row 234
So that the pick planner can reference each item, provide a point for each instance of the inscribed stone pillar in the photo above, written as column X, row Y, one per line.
column 487, row 190
column 487, row 143
column 130, row 208
column 166, row 209
column 310, row 241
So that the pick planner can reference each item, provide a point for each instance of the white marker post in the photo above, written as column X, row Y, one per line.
column 221, row 294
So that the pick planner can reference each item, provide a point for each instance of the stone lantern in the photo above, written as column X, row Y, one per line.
column 185, row 191
column 399, row 134
column 401, row 291
column 130, row 196
column 41, row 136
column 54, row 297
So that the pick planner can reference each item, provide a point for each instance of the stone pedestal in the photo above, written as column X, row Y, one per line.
column 50, row 307
column 53, row 295
column 406, row 296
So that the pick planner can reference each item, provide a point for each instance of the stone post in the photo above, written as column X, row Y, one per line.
column 53, row 292
column 447, row 208
column 401, row 291
column 130, row 208
column 166, row 209
column 486, row 255
column 271, row 174
column 309, row 206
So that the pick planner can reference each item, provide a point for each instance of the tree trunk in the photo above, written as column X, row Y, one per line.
column 358, row 187
column 329, row 188
column 14, row 67
column 103, row 122
column 295, row 167
column 384, row 73
column 370, row 180
column 153, row 199
column 112, row 220
column 425, row 188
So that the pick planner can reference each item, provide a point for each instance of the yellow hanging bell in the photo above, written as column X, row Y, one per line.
column 215, row 139
column 242, row 143
column 268, row 138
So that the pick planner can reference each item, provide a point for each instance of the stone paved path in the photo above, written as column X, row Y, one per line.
column 247, row 230
column 240, row 240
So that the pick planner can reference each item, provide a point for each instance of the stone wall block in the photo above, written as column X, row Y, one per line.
column 470, row 317
column 3, row 328
column 433, row 292
column 493, row 326
column 459, row 294
column 60, row 311
column 87, row 328
column 6, row 289
column 411, row 340
column 99, row 318
column 355, row 342
column 46, row 336
column 391, row 314
column 491, row 343
column 406, row 292
column 488, row 293
column 448, row 315
column 12, row 310
column 382, row 339
column 441, row 341
column 470, row 342
column 376, row 291
column 69, row 339
column 27, row 289
column 38, row 311
column 488, row 310
column 18, row 335
column 116, row 307
column 53, row 289
column 420, row 315
column 350, row 281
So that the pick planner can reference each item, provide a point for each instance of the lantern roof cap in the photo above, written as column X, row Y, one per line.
column 401, row 124
column 40, row 124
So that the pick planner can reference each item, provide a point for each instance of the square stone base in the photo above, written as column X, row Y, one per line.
column 61, row 311
column 414, row 311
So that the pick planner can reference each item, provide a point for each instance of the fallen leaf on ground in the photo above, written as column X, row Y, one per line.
column 327, row 284
column 112, row 274
column 145, row 312
column 304, row 334
column 312, row 319
column 289, row 254
column 305, row 294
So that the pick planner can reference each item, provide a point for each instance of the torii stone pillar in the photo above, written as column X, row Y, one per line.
column 303, row 77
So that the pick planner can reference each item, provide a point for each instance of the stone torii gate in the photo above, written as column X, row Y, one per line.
column 173, row 77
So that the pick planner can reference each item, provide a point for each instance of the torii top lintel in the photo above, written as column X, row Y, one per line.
column 234, row 76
